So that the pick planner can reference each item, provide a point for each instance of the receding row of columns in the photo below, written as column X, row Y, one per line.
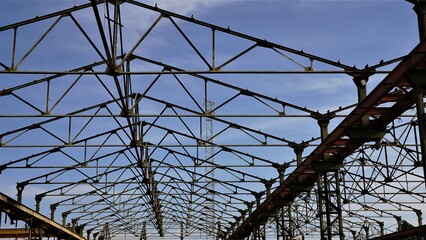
column 329, row 198
column 328, row 192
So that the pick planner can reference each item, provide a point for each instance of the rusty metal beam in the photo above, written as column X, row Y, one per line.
column 17, row 211
column 18, row 233
column 419, row 232
column 48, row 16
column 305, row 174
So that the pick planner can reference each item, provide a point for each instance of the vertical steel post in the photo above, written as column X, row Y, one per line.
column 329, row 199
column 321, row 208
column 74, row 224
column 256, row 229
column 353, row 235
column 143, row 232
column 281, row 170
column 257, row 196
column 298, row 149
column 420, row 9
column 284, row 222
column 382, row 228
column 38, row 199
column 219, row 231
column 419, row 84
column 419, row 217
column 418, row 80
column 260, row 232
column 88, row 233
column 20, row 189
column 421, row 117
column 399, row 223
column 278, row 223
column 64, row 218
column 367, row 231
column 52, row 211
column 268, row 185
column 361, row 85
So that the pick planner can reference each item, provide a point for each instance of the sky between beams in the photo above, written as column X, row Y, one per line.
column 354, row 32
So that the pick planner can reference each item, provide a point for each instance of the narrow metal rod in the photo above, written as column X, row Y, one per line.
column 191, row 72
column 213, row 48
column 15, row 30
column 38, row 41
column 140, row 41
column 171, row 115
column 422, row 125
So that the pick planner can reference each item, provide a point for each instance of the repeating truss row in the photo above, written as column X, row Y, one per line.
column 181, row 128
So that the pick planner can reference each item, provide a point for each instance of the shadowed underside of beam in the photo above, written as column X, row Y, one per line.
column 17, row 211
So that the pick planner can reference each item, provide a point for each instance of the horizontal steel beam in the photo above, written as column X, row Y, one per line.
column 191, row 72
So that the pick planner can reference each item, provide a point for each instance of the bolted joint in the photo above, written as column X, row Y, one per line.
column 64, row 218
column 281, row 169
column 20, row 187
column 52, row 211
column 420, row 9
column 237, row 220
column 249, row 207
column 298, row 149
column 258, row 196
column 74, row 224
column 243, row 214
column 268, row 185
column 38, row 199
column 323, row 121
column 361, row 80
column 323, row 118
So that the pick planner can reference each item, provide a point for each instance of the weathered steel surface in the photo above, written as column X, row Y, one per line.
column 17, row 211
column 305, row 174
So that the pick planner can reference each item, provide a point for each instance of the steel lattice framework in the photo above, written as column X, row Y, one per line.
column 119, row 140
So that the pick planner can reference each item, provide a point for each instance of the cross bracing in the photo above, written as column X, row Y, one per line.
column 117, row 136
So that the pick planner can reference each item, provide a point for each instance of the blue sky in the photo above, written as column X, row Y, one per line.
column 352, row 32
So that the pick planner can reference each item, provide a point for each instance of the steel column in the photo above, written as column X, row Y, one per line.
column 360, row 81
column 259, row 232
column 285, row 223
column 20, row 188
column 420, row 9
column 64, row 218
column 419, row 217
column 52, row 211
column 418, row 80
column 329, row 200
column 38, row 199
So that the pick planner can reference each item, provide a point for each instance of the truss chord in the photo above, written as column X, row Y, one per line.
column 139, row 155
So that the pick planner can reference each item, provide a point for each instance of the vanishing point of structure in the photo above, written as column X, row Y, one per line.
column 175, row 128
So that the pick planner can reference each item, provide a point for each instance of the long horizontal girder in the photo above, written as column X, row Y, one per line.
column 305, row 174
